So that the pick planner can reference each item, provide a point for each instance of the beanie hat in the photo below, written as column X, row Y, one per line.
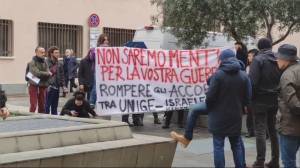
column 228, row 53
column 264, row 43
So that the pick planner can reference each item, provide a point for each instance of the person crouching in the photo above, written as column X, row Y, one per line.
column 78, row 107
column 4, row 113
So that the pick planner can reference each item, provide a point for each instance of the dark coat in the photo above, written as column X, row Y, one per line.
column 3, row 99
column 57, row 79
column 86, row 73
column 265, row 76
column 242, row 55
column 229, row 92
column 83, row 110
column 39, row 68
column 289, row 102
column 72, row 67
column 66, row 60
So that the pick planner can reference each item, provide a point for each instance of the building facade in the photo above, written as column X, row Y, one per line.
column 25, row 24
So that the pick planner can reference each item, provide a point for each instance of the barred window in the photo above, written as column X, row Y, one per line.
column 61, row 35
column 118, row 37
column 6, row 37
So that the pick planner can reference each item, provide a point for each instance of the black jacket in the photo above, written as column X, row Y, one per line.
column 3, row 99
column 242, row 55
column 229, row 92
column 84, row 110
column 57, row 79
column 86, row 73
column 66, row 60
column 265, row 76
column 72, row 68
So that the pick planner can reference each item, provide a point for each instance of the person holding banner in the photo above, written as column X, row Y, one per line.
column 228, row 94
column 169, row 115
column 102, row 42
column 138, row 118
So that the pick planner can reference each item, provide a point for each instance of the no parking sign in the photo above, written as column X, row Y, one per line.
column 94, row 20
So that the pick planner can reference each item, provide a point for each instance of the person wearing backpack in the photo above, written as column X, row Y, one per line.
column 37, row 90
column 56, row 81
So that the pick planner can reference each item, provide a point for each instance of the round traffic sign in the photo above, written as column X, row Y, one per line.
column 94, row 20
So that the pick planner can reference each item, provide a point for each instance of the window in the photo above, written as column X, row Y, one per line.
column 61, row 35
column 118, row 37
column 6, row 37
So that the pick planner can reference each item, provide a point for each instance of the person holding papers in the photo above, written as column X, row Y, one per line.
column 39, row 76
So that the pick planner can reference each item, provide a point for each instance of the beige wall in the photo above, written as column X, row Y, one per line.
column 26, row 14
column 293, row 39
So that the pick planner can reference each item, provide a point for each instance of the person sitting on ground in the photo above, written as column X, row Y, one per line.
column 78, row 107
column 4, row 113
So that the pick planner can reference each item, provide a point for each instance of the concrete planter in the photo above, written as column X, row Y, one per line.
column 31, row 141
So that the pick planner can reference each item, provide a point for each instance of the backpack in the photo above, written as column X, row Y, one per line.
column 26, row 72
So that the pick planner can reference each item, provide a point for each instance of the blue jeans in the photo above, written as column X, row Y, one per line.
column 52, row 97
column 93, row 96
column 195, row 110
column 289, row 146
column 236, row 147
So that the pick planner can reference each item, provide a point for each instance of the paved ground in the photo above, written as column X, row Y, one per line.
column 198, row 154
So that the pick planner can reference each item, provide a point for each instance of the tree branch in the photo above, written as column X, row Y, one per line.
column 269, row 24
column 286, row 34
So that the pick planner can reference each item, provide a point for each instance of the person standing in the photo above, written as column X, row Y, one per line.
column 288, row 124
column 66, row 59
column 249, row 121
column 102, row 42
column 227, row 96
column 37, row 90
column 241, row 53
column 56, row 81
column 169, row 115
column 86, row 73
column 265, row 76
column 72, row 71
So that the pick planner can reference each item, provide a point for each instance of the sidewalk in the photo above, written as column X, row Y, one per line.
column 198, row 154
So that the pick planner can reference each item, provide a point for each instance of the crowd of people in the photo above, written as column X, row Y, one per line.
column 267, row 88
column 258, row 82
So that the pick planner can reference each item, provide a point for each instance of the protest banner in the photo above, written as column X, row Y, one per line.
column 136, row 80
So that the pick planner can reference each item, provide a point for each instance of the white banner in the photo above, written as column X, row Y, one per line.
column 135, row 80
